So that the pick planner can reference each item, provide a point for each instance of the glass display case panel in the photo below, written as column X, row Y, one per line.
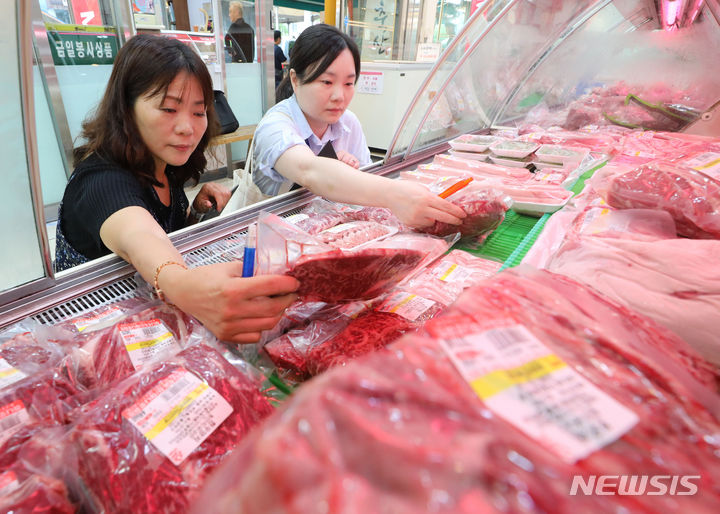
column 517, row 62
column 21, row 260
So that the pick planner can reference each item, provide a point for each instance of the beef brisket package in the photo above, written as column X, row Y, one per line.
column 147, row 443
column 527, row 395
column 691, row 197
column 331, row 274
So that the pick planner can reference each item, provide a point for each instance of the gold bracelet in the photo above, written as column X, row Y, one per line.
column 159, row 292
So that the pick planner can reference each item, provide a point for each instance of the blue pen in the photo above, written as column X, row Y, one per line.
column 249, row 252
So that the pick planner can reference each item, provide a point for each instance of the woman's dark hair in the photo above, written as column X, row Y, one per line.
column 313, row 52
column 146, row 64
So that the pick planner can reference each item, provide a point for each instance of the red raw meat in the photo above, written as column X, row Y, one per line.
column 484, row 214
column 367, row 333
column 691, row 198
column 339, row 276
column 46, row 395
column 401, row 431
column 121, row 471
column 38, row 494
column 103, row 358
column 33, row 464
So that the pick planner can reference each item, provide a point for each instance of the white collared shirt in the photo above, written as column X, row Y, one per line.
column 285, row 126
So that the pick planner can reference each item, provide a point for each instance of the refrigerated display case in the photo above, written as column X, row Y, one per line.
column 514, row 64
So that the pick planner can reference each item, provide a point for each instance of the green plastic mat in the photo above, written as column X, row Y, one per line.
column 505, row 239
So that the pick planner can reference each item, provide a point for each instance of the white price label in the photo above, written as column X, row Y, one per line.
column 147, row 341
column 8, row 483
column 708, row 163
column 450, row 272
column 12, row 417
column 178, row 414
column 100, row 320
column 8, row 374
column 297, row 218
column 409, row 306
column 522, row 381
column 342, row 227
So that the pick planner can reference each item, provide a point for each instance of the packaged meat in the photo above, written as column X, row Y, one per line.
column 667, row 280
column 520, row 162
column 514, row 149
column 402, row 431
column 355, row 234
column 329, row 274
column 140, row 338
column 691, row 197
column 485, row 208
column 472, row 143
column 104, row 315
column 147, row 444
column 561, row 154
column 477, row 156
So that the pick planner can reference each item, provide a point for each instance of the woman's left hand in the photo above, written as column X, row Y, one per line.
column 348, row 158
column 210, row 195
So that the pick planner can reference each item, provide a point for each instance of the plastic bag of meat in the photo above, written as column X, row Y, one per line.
column 140, row 338
column 485, row 208
column 667, row 280
column 33, row 461
column 104, row 315
column 355, row 234
column 691, row 197
column 317, row 216
column 29, row 347
column 547, row 411
column 447, row 277
column 329, row 274
column 147, row 444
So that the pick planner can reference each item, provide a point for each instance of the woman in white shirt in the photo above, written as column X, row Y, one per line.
column 294, row 139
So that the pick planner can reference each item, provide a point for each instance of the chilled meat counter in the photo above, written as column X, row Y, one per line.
column 556, row 352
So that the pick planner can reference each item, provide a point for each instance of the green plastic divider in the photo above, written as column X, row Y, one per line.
column 505, row 239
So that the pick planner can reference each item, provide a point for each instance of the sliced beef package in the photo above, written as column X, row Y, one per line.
column 500, row 404
column 147, row 444
column 330, row 274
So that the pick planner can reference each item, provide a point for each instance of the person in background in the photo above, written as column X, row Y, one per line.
column 240, row 37
column 311, row 139
column 279, row 58
column 148, row 137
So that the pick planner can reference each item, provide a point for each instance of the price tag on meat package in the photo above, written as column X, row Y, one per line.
column 708, row 163
column 97, row 321
column 147, row 341
column 12, row 416
column 178, row 414
column 522, row 381
column 8, row 374
column 409, row 306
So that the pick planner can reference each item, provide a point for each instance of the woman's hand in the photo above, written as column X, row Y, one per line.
column 233, row 308
column 416, row 206
column 211, row 194
column 348, row 159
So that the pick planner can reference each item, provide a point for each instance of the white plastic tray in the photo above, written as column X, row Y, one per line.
column 538, row 209
column 515, row 149
column 561, row 154
column 511, row 162
column 475, row 156
column 471, row 143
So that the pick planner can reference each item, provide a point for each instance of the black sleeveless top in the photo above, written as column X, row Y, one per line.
column 97, row 189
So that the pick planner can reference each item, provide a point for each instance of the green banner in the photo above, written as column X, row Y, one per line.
column 77, row 44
